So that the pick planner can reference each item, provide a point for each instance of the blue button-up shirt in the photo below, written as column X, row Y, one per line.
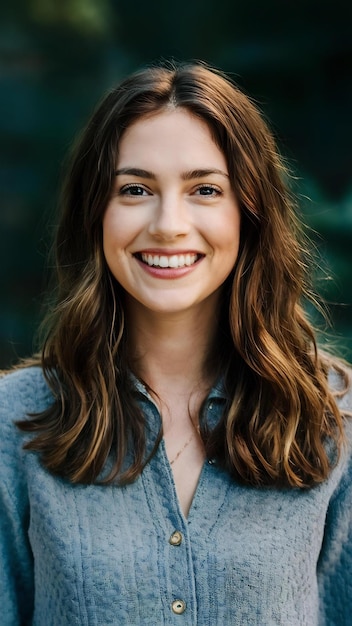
column 107, row 555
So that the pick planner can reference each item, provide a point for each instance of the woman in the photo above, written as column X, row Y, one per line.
column 181, row 453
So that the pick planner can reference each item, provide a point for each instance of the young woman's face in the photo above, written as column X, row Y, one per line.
column 172, row 226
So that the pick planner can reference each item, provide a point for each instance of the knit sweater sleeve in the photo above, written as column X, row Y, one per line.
column 18, row 393
column 335, row 563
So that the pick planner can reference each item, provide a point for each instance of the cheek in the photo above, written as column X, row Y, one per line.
column 225, row 232
column 117, row 230
column 112, row 240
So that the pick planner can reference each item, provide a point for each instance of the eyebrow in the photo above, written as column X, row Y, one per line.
column 199, row 173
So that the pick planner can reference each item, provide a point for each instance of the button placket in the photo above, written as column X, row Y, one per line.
column 178, row 606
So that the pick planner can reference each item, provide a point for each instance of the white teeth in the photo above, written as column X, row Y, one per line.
column 174, row 261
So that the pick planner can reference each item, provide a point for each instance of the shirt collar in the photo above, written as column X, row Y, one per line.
column 217, row 392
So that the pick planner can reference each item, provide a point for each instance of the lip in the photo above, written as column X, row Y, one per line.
column 167, row 272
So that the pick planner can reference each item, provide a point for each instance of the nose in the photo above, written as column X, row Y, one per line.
column 170, row 219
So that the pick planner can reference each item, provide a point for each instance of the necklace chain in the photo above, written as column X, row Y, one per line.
column 184, row 446
column 182, row 449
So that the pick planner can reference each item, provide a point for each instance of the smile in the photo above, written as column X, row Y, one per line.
column 174, row 261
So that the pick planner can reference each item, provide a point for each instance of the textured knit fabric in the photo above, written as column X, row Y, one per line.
column 74, row 555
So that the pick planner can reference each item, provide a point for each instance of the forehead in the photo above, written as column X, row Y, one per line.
column 169, row 136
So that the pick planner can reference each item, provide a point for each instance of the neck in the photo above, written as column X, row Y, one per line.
column 171, row 351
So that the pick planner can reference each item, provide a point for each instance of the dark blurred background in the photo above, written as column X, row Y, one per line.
column 57, row 58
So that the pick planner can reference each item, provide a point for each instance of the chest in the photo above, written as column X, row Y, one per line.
column 126, row 555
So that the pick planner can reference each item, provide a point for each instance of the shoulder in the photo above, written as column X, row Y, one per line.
column 340, row 384
column 25, row 381
column 22, row 391
column 339, row 379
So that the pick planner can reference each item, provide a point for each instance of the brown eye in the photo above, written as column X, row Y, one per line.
column 133, row 190
column 208, row 190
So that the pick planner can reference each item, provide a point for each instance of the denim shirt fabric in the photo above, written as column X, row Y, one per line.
column 78, row 555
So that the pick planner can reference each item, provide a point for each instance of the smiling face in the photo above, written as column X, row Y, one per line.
column 172, row 226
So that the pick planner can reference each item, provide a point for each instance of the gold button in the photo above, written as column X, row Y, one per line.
column 176, row 538
column 178, row 607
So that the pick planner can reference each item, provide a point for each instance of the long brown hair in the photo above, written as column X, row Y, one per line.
column 280, row 411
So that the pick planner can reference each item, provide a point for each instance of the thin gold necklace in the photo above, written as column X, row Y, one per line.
column 197, row 429
column 182, row 449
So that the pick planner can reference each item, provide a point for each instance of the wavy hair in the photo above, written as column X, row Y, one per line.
column 280, row 412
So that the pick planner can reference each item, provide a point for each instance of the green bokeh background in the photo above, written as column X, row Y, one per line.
column 58, row 57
